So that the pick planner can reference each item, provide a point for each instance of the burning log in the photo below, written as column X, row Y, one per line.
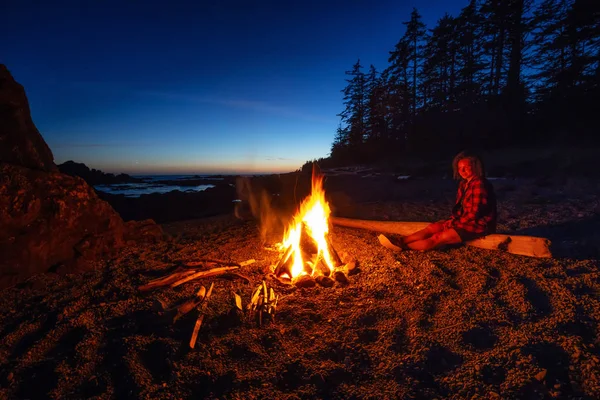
column 200, row 317
column 203, row 274
column 310, row 251
column 322, row 268
column 334, row 254
column 522, row 245
column 284, row 263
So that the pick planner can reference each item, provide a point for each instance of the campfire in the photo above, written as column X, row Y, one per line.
column 307, row 253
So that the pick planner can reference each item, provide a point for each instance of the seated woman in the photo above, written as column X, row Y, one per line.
column 473, row 215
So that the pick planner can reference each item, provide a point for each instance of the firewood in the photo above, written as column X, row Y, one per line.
column 190, row 304
column 203, row 274
column 350, row 268
column 351, row 265
column 167, row 280
column 323, row 268
column 236, row 275
column 200, row 317
column 212, row 261
column 247, row 262
column 283, row 260
column 285, row 268
column 177, row 270
column 194, row 264
column 522, row 245
column 332, row 252
column 307, row 243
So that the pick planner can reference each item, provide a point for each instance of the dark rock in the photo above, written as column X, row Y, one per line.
column 305, row 281
column 324, row 281
column 20, row 142
column 55, row 222
column 94, row 176
column 50, row 221
column 340, row 277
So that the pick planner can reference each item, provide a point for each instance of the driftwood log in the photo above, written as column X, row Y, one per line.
column 516, row 244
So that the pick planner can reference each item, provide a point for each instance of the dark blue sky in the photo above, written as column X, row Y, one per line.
column 206, row 86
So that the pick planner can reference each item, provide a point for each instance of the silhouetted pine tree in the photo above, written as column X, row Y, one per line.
column 567, row 64
column 414, row 38
column 376, row 126
column 495, row 14
column 515, row 93
column 340, row 146
column 469, row 82
column 354, row 114
column 396, row 80
column 583, row 36
column 469, row 34
column 550, row 59
column 439, row 67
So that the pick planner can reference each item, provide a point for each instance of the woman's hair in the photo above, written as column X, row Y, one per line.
column 476, row 162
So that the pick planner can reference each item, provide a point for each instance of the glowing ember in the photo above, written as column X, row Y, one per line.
column 312, row 219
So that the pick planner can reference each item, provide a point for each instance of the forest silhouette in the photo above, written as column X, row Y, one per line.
column 501, row 74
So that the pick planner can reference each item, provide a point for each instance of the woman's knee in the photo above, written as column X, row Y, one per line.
column 448, row 236
column 436, row 227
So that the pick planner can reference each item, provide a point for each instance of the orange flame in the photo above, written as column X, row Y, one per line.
column 313, row 216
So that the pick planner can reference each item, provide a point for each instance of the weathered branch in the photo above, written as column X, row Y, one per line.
column 167, row 280
column 203, row 274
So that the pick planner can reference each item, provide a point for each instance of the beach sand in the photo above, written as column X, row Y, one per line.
column 456, row 323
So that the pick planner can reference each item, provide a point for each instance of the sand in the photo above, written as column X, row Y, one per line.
column 456, row 323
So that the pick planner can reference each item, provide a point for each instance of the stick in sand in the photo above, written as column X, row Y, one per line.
column 200, row 317
column 190, row 304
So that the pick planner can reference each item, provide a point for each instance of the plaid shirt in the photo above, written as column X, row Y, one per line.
column 475, row 209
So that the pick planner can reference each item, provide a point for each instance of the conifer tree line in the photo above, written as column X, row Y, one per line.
column 501, row 73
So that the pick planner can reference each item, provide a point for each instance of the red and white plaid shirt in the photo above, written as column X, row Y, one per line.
column 475, row 209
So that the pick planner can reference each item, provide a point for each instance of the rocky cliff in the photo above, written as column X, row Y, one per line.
column 49, row 221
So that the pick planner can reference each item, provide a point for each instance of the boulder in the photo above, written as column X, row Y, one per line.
column 94, row 176
column 49, row 221
column 20, row 142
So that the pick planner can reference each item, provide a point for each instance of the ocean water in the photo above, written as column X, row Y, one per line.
column 152, row 184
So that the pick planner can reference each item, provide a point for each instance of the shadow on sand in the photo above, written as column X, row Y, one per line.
column 578, row 239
